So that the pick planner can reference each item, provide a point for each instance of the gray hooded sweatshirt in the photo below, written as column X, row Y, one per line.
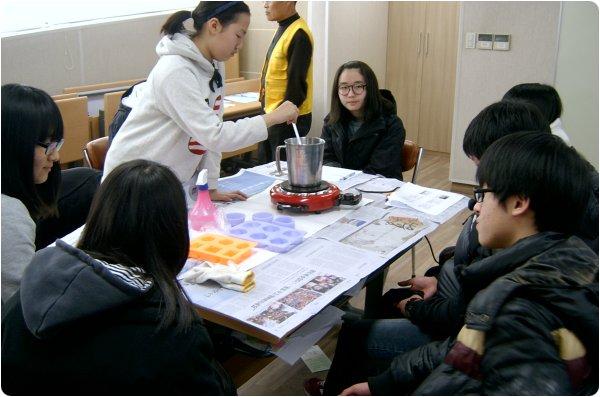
column 178, row 121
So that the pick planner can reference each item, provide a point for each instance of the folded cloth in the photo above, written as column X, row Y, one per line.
column 228, row 276
column 237, row 287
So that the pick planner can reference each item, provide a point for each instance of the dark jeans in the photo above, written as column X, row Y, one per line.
column 367, row 347
column 77, row 189
column 278, row 134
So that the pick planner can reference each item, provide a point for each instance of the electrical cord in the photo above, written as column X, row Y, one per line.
column 431, row 249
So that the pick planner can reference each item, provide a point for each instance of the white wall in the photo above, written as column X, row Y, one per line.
column 484, row 76
column 98, row 53
column 577, row 76
column 344, row 31
column 123, row 50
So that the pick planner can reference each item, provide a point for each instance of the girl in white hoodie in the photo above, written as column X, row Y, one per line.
column 178, row 120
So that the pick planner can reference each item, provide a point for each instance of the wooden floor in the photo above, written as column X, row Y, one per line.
column 279, row 378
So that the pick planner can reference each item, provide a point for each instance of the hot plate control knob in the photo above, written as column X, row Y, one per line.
column 351, row 197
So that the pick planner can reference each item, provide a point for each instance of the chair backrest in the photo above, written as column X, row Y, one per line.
column 94, row 153
column 411, row 158
column 232, row 67
column 112, row 86
column 64, row 96
column 234, row 79
column 111, row 105
column 76, row 123
column 252, row 85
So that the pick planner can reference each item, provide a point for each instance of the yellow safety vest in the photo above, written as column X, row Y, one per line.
column 276, row 74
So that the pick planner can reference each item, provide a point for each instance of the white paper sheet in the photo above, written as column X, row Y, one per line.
column 316, row 360
column 246, row 181
column 354, row 180
column 243, row 97
column 427, row 200
column 391, row 234
column 350, row 223
column 380, row 184
column 336, row 257
column 286, row 295
column 308, row 334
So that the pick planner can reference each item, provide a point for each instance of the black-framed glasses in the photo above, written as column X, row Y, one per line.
column 479, row 193
column 357, row 89
column 52, row 147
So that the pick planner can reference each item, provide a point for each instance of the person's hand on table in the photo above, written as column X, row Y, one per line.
column 216, row 195
column 359, row 389
column 427, row 285
column 287, row 112
column 402, row 304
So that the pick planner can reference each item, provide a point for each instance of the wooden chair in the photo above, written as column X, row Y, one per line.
column 234, row 79
column 64, row 96
column 94, row 153
column 108, row 87
column 232, row 67
column 242, row 86
column 76, row 126
column 411, row 159
column 111, row 105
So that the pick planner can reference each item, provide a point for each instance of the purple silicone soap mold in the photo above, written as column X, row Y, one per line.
column 275, row 234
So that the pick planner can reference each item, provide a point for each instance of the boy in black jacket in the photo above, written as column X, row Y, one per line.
column 540, row 291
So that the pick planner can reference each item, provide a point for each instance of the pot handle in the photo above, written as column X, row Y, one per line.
column 278, row 159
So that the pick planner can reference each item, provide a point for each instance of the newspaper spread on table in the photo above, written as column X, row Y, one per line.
column 343, row 246
column 292, row 287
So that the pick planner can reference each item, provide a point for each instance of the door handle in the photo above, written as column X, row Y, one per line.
column 427, row 44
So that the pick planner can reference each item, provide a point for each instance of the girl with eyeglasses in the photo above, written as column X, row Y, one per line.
column 108, row 316
column 177, row 120
column 39, row 202
column 362, row 130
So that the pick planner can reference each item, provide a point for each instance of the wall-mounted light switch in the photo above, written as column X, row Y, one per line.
column 470, row 39
column 501, row 42
column 485, row 41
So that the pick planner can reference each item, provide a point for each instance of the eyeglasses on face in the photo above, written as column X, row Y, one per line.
column 479, row 193
column 52, row 147
column 357, row 89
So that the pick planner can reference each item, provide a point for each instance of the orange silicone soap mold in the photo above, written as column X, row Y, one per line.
column 220, row 249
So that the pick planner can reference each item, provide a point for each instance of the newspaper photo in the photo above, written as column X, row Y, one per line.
column 391, row 234
column 287, row 294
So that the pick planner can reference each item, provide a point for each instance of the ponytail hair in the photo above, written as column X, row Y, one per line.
column 225, row 11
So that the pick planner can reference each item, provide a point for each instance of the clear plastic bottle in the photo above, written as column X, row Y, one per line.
column 204, row 214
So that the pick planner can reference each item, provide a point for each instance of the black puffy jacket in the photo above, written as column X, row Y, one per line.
column 532, row 304
column 376, row 148
column 442, row 315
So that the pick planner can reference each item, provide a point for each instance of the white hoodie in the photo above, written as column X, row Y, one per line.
column 556, row 129
column 178, row 121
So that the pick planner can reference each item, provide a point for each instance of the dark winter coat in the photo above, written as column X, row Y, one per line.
column 531, row 327
column 375, row 148
column 442, row 315
column 78, row 327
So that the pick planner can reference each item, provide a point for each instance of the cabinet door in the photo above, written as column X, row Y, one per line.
column 439, row 73
column 406, row 35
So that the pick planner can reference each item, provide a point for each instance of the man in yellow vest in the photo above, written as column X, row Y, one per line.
column 287, row 73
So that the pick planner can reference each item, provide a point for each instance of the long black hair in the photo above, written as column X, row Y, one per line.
column 29, row 116
column 374, row 102
column 139, row 218
column 225, row 11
